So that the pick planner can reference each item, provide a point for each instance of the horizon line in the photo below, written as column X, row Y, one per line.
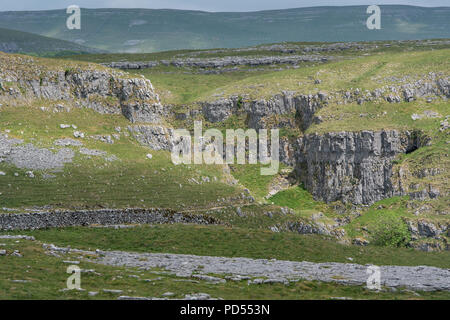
column 251, row 11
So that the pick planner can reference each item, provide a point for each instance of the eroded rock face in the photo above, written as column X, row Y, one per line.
column 239, row 61
column 427, row 228
column 105, row 91
column 144, row 112
column 260, row 109
column 304, row 107
column 155, row 137
column 90, row 87
column 219, row 110
column 352, row 167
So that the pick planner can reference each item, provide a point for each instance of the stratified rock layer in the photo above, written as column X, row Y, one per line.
column 352, row 166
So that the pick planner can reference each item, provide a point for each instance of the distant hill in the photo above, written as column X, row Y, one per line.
column 145, row 30
column 13, row 41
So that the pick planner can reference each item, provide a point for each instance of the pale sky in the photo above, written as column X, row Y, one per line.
column 205, row 5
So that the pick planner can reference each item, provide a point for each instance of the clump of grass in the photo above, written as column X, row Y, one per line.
column 297, row 198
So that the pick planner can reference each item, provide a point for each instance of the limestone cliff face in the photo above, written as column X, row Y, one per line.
column 353, row 167
column 105, row 91
column 303, row 107
column 156, row 137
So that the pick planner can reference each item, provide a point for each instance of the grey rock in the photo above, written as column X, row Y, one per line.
column 31, row 238
column 427, row 228
column 133, row 298
column 156, row 137
column 30, row 157
column 168, row 294
column 219, row 110
column 105, row 91
column 112, row 291
column 353, row 167
column 414, row 278
column 68, row 142
column 197, row 296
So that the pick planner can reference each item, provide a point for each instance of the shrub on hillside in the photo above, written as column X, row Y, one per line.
column 391, row 232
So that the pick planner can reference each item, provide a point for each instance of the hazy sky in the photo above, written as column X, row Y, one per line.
column 206, row 5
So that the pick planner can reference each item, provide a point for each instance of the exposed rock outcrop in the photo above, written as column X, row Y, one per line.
column 304, row 107
column 144, row 112
column 155, row 137
column 303, row 227
column 28, row 156
column 220, row 110
column 105, row 91
column 428, row 229
column 221, row 62
column 353, row 166
column 421, row 278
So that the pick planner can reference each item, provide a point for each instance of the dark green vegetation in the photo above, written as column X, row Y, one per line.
column 143, row 30
column 13, row 41
column 46, row 276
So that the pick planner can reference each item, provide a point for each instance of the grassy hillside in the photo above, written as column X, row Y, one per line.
column 121, row 174
column 91, row 181
column 143, row 30
column 13, row 41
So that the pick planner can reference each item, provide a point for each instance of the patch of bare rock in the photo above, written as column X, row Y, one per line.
column 419, row 278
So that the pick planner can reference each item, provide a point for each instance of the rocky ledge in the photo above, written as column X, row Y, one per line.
column 105, row 91
column 305, row 106
column 221, row 62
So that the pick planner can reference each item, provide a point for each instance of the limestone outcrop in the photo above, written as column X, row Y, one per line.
column 353, row 167
column 104, row 90
column 303, row 107
column 221, row 62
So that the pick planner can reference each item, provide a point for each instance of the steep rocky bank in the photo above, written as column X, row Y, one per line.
column 106, row 91
column 303, row 107
column 353, row 167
